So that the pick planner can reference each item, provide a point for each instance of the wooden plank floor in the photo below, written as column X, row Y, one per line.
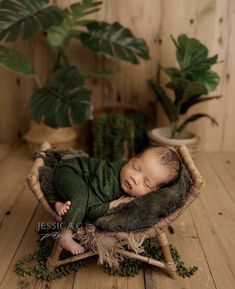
column 204, row 235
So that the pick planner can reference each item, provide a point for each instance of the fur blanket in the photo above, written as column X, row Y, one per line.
column 142, row 213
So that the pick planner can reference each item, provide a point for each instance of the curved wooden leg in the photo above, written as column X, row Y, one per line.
column 169, row 262
column 53, row 259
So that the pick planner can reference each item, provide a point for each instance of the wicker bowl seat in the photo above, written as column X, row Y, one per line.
column 109, row 246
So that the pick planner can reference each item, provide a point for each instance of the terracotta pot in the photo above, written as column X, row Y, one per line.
column 57, row 137
column 162, row 135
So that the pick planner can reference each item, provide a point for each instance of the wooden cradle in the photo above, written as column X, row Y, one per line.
column 156, row 231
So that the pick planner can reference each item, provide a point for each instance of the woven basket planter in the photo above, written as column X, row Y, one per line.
column 58, row 137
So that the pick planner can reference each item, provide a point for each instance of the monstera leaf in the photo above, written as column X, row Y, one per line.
column 58, row 35
column 109, row 39
column 65, row 102
column 114, row 40
column 27, row 17
column 15, row 61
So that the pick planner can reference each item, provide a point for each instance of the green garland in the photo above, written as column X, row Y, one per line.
column 129, row 267
column 112, row 130
column 38, row 268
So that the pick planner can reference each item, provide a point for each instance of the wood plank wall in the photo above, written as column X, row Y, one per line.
column 211, row 21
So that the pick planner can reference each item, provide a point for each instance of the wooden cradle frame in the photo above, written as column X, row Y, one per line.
column 157, row 230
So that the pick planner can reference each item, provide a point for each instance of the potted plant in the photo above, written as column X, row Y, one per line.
column 64, row 101
column 118, row 132
column 190, row 83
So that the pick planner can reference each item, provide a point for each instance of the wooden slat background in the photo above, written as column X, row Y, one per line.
column 211, row 21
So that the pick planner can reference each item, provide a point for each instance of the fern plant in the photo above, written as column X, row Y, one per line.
column 190, row 83
column 63, row 101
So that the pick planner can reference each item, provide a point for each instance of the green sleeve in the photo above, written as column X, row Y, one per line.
column 71, row 187
column 97, row 211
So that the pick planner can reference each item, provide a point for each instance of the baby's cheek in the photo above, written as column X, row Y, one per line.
column 139, row 191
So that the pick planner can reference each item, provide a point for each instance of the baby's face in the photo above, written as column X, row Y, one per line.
column 142, row 175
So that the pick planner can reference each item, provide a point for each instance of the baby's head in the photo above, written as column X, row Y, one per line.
column 154, row 167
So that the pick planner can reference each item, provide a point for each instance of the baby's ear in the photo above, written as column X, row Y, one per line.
column 137, row 155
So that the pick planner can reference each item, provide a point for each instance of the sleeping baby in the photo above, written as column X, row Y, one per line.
column 88, row 187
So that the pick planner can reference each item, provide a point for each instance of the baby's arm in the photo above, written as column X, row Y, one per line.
column 122, row 199
column 96, row 211
column 99, row 210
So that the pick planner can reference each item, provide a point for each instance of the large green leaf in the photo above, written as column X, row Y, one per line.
column 195, row 117
column 172, row 72
column 15, row 61
column 178, row 85
column 27, row 17
column 186, row 105
column 114, row 40
column 65, row 102
column 193, row 89
column 186, row 90
column 192, row 55
column 209, row 78
column 59, row 35
column 168, row 106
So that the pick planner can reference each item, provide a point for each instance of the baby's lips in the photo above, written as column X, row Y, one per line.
column 128, row 184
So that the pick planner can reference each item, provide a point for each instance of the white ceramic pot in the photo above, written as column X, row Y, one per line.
column 162, row 135
column 57, row 137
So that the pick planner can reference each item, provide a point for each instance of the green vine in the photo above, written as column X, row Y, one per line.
column 112, row 131
column 24, row 267
column 35, row 263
